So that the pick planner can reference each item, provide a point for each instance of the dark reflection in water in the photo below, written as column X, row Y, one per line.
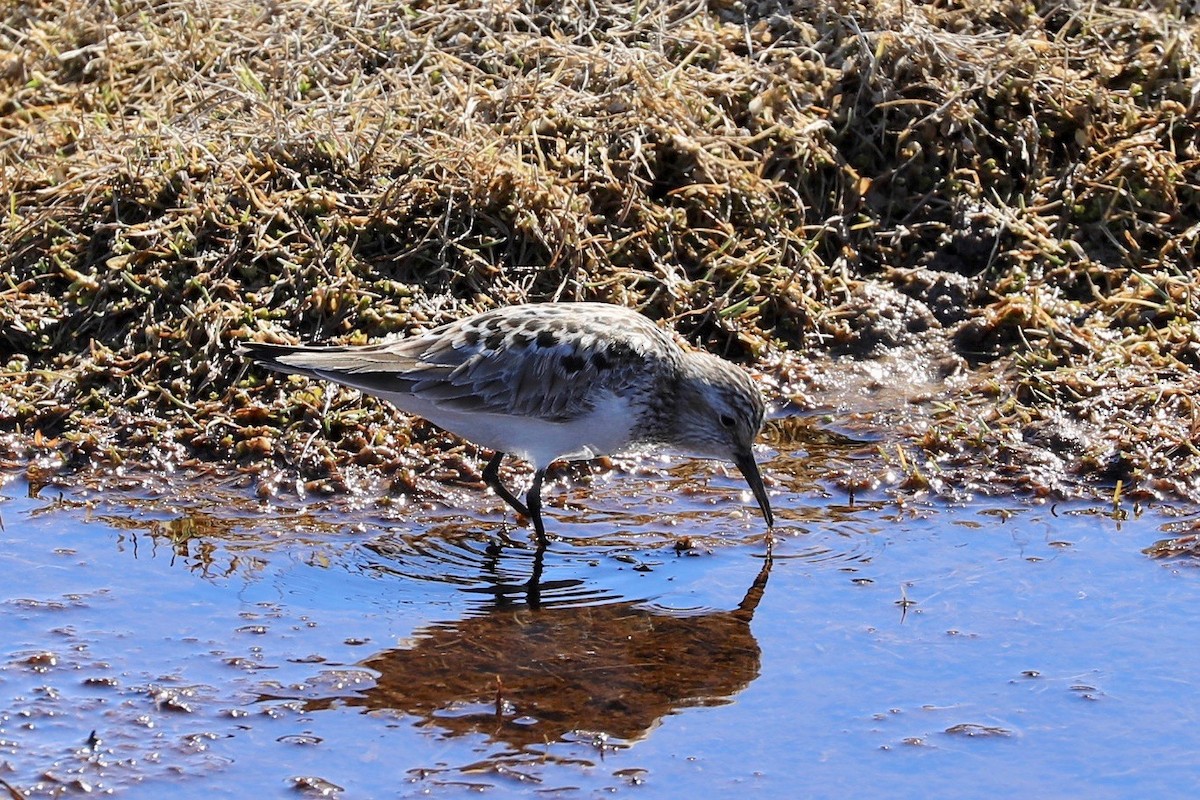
column 535, row 671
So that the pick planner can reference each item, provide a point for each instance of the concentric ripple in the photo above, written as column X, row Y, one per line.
column 500, row 573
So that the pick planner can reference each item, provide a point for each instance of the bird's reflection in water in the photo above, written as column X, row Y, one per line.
column 531, row 671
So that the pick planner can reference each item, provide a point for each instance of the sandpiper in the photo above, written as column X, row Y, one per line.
column 550, row 381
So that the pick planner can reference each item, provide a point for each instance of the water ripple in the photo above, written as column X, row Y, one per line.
column 500, row 575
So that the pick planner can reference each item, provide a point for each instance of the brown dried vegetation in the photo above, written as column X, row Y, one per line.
column 1019, row 180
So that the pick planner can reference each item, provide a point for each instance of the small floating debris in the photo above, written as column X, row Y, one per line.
column 315, row 787
column 304, row 739
column 975, row 730
column 634, row 776
column 1177, row 547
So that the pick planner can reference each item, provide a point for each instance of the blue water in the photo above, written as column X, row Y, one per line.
column 898, row 648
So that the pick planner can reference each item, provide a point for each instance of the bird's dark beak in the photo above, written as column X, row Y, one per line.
column 749, row 469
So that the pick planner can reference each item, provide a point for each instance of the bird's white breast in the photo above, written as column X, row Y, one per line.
column 606, row 430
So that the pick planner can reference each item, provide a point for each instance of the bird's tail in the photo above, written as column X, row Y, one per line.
column 336, row 363
column 290, row 358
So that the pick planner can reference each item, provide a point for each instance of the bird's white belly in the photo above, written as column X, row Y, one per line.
column 606, row 430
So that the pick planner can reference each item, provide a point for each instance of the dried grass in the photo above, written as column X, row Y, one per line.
column 1018, row 179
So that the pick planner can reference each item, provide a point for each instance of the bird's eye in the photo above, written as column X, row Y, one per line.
column 728, row 421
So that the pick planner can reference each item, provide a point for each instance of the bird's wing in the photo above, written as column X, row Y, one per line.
column 533, row 361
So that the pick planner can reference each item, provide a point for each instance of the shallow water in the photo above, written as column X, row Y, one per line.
column 221, row 647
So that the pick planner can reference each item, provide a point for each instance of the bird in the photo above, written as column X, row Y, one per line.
column 544, row 382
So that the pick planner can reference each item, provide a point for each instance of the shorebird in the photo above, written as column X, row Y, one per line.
column 550, row 381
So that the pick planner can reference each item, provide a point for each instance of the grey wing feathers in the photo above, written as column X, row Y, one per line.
column 548, row 383
column 533, row 382
column 535, row 361
column 372, row 369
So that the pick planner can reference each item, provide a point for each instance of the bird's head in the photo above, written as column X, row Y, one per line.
column 719, row 414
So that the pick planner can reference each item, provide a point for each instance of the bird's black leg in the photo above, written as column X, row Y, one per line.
column 534, row 500
column 533, row 586
column 491, row 476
